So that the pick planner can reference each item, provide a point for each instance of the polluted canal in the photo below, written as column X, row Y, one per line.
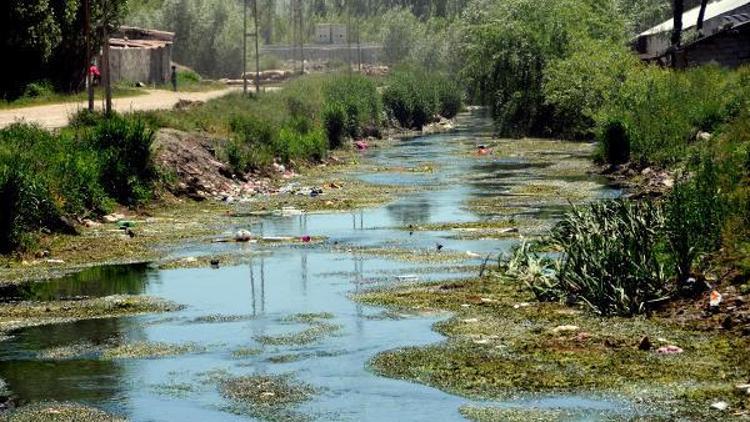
column 280, row 336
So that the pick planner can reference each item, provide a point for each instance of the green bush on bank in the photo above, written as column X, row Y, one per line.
column 663, row 110
column 610, row 258
column 47, row 177
column 414, row 97
column 315, row 113
column 623, row 257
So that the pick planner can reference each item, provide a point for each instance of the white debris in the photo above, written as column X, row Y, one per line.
column 565, row 329
column 720, row 405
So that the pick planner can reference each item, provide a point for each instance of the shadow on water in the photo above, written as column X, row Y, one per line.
column 92, row 282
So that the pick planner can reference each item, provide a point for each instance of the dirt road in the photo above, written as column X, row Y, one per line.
column 57, row 115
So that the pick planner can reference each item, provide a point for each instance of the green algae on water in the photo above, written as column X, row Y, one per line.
column 246, row 352
column 59, row 412
column 308, row 318
column 267, row 397
column 301, row 338
column 501, row 343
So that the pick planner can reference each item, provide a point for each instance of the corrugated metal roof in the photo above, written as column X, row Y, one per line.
column 126, row 43
column 690, row 18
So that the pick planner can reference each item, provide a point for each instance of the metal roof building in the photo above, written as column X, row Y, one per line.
column 723, row 39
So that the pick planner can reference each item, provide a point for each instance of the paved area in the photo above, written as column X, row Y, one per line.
column 57, row 115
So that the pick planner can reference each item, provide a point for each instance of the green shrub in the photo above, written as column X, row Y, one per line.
column 85, row 118
column 414, row 97
column 188, row 77
column 610, row 256
column 28, row 207
column 299, row 140
column 334, row 120
column 358, row 97
column 663, row 109
column 45, row 177
column 615, row 142
column 39, row 90
column 579, row 85
column 695, row 213
column 124, row 148
column 450, row 98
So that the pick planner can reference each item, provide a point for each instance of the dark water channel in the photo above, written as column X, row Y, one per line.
column 279, row 282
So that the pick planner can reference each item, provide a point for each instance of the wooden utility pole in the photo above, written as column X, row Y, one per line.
column 298, row 33
column 87, row 36
column 244, row 47
column 301, row 35
column 246, row 34
column 106, row 73
column 349, row 33
column 257, row 48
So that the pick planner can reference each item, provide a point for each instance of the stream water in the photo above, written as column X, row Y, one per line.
column 253, row 299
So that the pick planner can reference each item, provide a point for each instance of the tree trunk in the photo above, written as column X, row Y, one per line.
column 702, row 15
column 678, row 9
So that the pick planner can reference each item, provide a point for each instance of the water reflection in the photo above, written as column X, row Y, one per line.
column 414, row 211
column 93, row 282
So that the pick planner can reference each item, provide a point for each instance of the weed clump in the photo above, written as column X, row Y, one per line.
column 268, row 397
column 60, row 412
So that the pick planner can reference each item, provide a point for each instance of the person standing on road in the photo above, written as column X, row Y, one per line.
column 174, row 78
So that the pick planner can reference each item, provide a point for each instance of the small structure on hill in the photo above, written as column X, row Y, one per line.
column 327, row 33
column 141, row 55
column 724, row 38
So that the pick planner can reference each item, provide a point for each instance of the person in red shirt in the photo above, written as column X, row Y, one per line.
column 95, row 74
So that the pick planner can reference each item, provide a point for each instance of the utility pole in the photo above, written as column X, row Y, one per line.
column 298, row 32
column 246, row 34
column 87, row 36
column 244, row 47
column 349, row 33
column 301, row 35
column 359, row 46
column 106, row 74
column 257, row 48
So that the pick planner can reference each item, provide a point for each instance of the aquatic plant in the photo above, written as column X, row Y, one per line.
column 695, row 211
column 610, row 260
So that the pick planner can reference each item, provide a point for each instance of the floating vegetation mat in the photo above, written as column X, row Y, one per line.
column 29, row 314
column 118, row 350
column 246, row 352
column 267, row 397
column 502, row 343
column 301, row 338
column 494, row 414
column 59, row 412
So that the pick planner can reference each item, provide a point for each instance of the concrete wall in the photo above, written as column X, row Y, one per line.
column 338, row 34
column 323, row 34
column 371, row 53
column 730, row 49
column 147, row 65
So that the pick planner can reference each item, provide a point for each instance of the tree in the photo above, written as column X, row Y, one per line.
column 701, row 15
column 678, row 9
column 28, row 35
column 46, row 40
